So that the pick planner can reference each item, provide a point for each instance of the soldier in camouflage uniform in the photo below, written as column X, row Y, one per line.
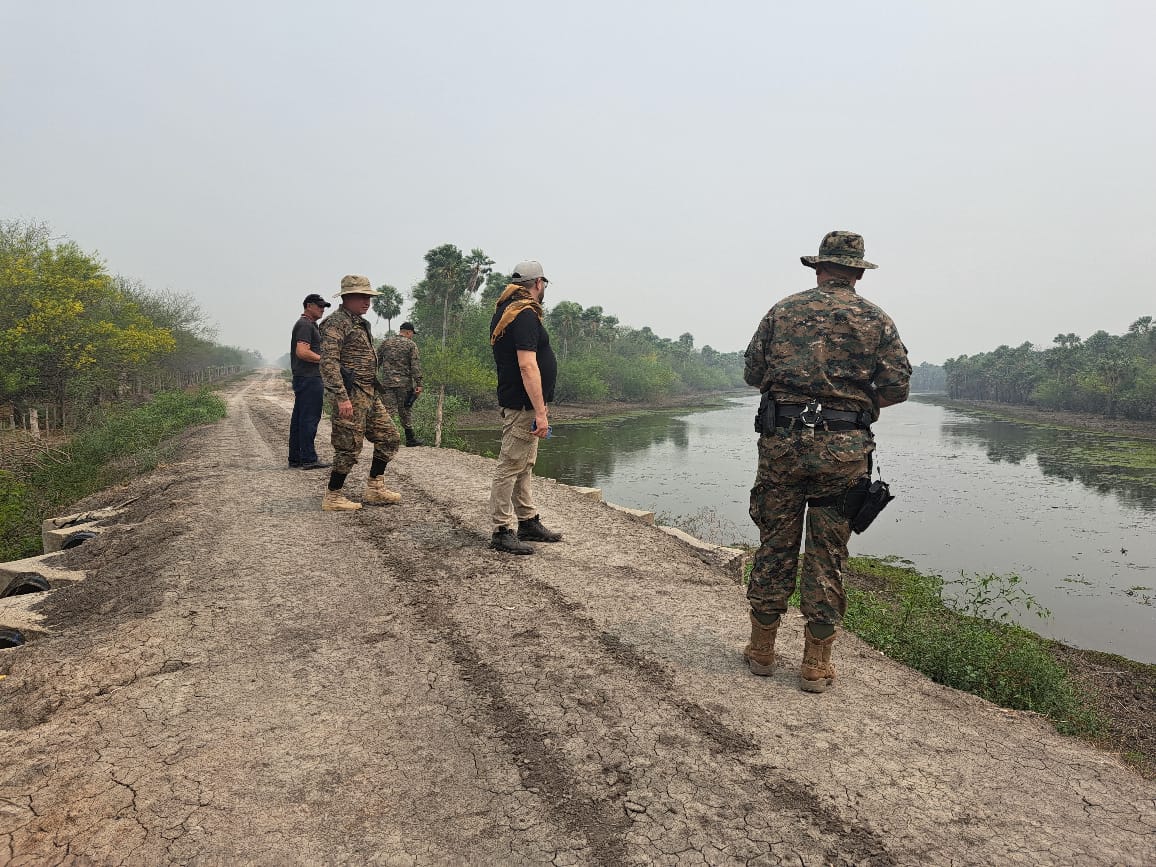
column 400, row 372
column 829, row 360
column 348, row 368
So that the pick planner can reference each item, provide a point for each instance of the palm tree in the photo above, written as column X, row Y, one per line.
column 387, row 305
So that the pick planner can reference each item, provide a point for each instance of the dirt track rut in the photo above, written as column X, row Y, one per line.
column 244, row 678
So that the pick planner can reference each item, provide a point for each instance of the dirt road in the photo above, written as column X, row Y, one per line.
column 243, row 678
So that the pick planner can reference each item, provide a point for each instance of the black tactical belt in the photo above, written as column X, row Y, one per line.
column 836, row 420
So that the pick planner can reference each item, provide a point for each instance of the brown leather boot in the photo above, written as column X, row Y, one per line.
column 760, row 650
column 377, row 494
column 817, row 673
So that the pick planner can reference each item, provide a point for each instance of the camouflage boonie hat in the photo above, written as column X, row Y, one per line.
column 355, row 284
column 842, row 248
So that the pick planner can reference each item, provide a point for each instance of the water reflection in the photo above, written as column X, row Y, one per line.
column 582, row 453
column 1106, row 464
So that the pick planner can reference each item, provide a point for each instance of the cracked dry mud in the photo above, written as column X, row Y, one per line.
column 243, row 678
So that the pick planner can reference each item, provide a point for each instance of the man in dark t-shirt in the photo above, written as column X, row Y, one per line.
column 308, row 389
column 527, row 370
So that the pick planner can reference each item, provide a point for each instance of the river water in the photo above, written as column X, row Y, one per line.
column 1073, row 513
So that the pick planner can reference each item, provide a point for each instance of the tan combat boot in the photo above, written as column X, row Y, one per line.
column 377, row 494
column 817, row 673
column 760, row 650
column 334, row 501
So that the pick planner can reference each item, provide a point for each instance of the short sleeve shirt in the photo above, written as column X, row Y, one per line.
column 525, row 332
column 305, row 331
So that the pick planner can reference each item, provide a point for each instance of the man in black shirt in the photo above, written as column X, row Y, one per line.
column 308, row 389
column 527, row 370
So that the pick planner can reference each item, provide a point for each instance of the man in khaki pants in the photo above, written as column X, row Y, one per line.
column 527, row 370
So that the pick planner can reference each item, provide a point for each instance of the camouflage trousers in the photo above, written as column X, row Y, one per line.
column 371, row 422
column 794, row 466
column 394, row 397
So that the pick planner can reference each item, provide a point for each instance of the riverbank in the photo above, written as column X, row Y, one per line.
column 1054, row 418
column 1119, row 693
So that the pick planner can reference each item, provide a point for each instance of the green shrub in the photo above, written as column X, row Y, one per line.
column 19, row 523
column 1050, row 393
column 968, row 643
column 640, row 378
column 425, row 417
column 581, row 379
column 465, row 375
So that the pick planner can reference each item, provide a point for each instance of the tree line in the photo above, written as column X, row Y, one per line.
column 599, row 358
column 1104, row 374
column 74, row 336
column 927, row 377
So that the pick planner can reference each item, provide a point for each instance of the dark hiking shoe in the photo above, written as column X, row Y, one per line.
column 506, row 540
column 534, row 531
column 411, row 438
column 316, row 465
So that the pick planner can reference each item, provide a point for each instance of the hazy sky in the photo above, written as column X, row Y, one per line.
column 669, row 161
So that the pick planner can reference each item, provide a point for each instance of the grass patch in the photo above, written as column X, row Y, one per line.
column 119, row 444
column 959, row 634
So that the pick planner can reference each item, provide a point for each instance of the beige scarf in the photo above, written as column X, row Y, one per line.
column 520, row 299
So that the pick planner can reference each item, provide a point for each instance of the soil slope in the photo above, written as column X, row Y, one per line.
column 243, row 678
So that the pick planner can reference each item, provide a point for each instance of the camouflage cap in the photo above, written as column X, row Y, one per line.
column 842, row 248
column 356, row 284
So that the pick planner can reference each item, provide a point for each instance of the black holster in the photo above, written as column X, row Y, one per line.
column 860, row 504
column 348, row 380
column 765, row 416
column 410, row 398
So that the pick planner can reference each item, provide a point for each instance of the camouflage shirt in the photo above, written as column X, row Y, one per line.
column 830, row 344
column 400, row 362
column 346, row 341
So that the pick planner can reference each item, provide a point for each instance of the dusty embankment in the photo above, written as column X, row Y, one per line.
column 244, row 678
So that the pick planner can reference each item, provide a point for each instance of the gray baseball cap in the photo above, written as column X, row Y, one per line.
column 530, row 270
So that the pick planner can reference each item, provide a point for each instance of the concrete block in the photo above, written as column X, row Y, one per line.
column 16, row 613
column 55, row 531
column 594, row 494
column 641, row 514
column 730, row 560
column 54, row 539
column 39, row 565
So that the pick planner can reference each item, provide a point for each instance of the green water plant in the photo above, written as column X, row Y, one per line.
column 964, row 638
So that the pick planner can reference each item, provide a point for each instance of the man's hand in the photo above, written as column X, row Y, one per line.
column 541, row 425
column 345, row 409
column 417, row 389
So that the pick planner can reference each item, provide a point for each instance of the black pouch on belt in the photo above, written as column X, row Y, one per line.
column 874, row 499
column 861, row 503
